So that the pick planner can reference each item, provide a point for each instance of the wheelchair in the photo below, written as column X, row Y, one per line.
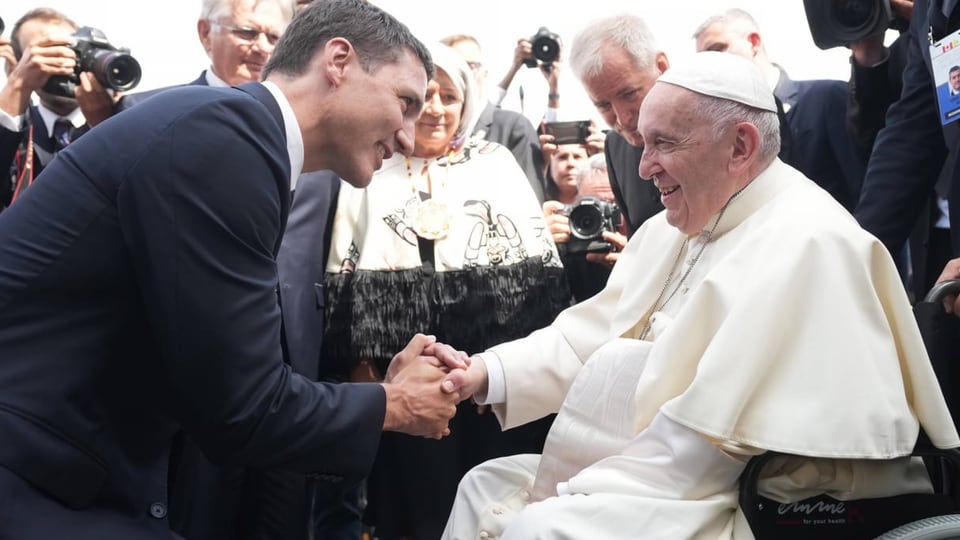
column 915, row 516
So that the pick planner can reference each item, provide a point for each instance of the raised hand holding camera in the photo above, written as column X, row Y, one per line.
column 113, row 67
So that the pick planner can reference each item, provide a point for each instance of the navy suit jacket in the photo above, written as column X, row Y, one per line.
column 911, row 149
column 139, row 293
column 12, row 142
column 820, row 146
column 302, row 263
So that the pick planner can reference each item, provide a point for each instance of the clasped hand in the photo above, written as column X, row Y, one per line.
column 419, row 402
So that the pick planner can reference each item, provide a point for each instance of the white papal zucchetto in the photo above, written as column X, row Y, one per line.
column 725, row 76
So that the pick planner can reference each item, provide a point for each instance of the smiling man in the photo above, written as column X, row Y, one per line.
column 617, row 61
column 754, row 297
column 139, row 288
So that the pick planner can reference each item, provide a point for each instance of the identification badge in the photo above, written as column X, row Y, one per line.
column 945, row 61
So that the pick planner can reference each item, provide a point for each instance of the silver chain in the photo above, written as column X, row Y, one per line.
column 708, row 236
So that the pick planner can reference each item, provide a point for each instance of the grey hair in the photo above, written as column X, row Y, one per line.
column 216, row 10
column 628, row 32
column 723, row 113
column 736, row 20
column 595, row 164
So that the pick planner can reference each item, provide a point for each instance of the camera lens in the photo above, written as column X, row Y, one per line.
column 586, row 222
column 546, row 48
column 853, row 13
column 116, row 70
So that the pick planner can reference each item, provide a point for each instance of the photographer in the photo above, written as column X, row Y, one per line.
column 542, row 51
column 587, row 261
column 31, row 135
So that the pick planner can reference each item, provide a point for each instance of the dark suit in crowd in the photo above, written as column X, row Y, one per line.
column 912, row 148
column 13, row 152
column 513, row 130
column 139, row 293
column 819, row 145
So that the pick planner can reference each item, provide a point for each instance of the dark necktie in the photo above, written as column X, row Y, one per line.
column 61, row 134
column 947, row 7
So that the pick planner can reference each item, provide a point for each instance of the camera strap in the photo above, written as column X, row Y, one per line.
column 24, row 166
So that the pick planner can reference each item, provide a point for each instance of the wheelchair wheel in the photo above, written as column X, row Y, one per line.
column 934, row 528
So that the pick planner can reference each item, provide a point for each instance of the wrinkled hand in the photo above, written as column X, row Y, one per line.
column 96, row 102
column 467, row 382
column 951, row 303
column 417, row 404
column 609, row 259
column 423, row 348
column 557, row 221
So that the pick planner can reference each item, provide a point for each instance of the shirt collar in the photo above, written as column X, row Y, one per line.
column 292, row 127
column 213, row 80
column 49, row 118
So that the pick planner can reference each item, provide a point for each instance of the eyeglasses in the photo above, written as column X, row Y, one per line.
column 249, row 35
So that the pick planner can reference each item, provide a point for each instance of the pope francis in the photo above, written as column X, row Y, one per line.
column 752, row 314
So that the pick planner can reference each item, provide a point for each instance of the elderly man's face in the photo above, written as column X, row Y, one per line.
column 618, row 90
column 955, row 80
column 685, row 158
column 240, row 45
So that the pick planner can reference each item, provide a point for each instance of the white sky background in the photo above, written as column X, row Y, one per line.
column 162, row 34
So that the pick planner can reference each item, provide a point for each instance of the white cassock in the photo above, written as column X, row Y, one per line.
column 792, row 333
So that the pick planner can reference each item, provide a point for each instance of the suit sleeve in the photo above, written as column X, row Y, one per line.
column 202, row 215
column 525, row 146
column 907, row 156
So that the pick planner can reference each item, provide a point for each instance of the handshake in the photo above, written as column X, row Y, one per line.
column 424, row 383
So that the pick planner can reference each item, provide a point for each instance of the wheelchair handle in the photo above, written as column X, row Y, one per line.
column 942, row 290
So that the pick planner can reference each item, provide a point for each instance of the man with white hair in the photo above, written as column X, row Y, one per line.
column 752, row 299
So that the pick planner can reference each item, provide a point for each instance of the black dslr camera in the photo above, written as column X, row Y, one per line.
column 589, row 217
column 112, row 66
column 837, row 23
column 546, row 48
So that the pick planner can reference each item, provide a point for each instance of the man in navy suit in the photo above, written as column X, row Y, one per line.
column 139, row 288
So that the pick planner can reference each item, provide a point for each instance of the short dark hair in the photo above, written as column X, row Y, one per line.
column 43, row 14
column 377, row 36
column 954, row 68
